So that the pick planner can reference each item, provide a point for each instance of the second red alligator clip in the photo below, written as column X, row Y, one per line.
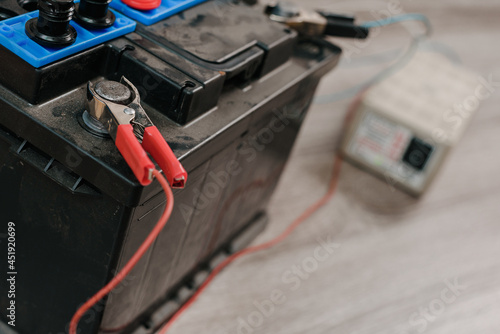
column 117, row 106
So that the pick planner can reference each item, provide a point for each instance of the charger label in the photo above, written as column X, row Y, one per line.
column 381, row 144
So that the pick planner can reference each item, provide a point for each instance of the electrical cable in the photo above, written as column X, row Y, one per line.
column 443, row 49
column 253, row 249
column 135, row 258
column 396, row 53
column 399, row 19
column 372, row 59
column 353, row 91
column 407, row 56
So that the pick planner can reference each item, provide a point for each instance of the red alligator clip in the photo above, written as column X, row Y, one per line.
column 117, row 106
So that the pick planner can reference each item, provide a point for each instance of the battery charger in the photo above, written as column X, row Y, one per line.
column 404, row 126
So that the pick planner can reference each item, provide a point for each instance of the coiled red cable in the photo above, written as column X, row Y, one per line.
column 305, row 215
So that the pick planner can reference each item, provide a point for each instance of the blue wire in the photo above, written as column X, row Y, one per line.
column 353, row 91
column 399, row 19
column 416, row 41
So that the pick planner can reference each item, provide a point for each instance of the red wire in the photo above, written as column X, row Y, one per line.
column 135, row 258
column 306, row 214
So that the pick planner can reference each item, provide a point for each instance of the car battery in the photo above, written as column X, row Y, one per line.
column 227, row 88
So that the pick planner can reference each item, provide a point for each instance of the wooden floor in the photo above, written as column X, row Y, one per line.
column 395, row 257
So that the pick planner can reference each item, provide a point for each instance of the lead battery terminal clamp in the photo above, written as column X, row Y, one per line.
column 117, row 106
column 312, row 23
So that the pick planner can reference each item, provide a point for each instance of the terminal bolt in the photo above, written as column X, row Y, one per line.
column 94, row 14
column 52, row 28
